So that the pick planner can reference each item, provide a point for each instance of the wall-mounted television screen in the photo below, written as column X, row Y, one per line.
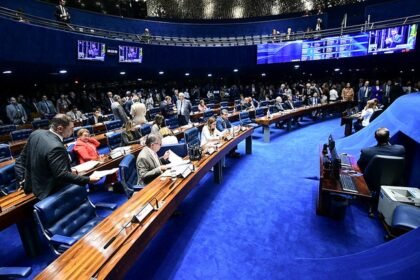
column 130, row 54
column 279, row 52
column 393, row 40
column 88, row 50
column 353, row 45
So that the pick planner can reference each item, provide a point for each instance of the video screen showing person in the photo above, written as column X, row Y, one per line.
column 130, row 54
column 393, row 40
column 87, row 50
column 279, row 52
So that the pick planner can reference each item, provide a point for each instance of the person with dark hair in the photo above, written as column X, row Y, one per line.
column 383, row 147
column 118, row 110
column 210, row 132
column 149, row 165
column 61, row 13
column 44, row 162
column 158, row 123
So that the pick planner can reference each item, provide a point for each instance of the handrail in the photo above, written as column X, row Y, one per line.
column 223, row 41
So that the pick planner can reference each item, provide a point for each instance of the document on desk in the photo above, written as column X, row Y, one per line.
column 176, row 160
column 103, row 173
column 86, row 166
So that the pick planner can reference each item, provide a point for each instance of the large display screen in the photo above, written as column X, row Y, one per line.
column 130, row 54
column 353, row 45
column 88, row 50
column 393, row 40
column 279, row 52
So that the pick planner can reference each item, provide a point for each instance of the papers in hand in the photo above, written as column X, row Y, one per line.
column 103, row 173
column 86, row 166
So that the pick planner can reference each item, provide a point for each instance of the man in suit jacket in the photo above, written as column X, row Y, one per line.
column 75, row 114
column 44, row 162
column 118, row 110
column 382, row 148
column 224, row 126
column 61, row 12
column 149, row 165
column 46, row 107
column 363, row 95
column 184, row 108
column 15, row 112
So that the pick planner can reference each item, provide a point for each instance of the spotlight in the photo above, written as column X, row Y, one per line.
column 122, row 73
column 161, row 72
column 7, row 72
column 187, row 74
column 297, row 66
column 235, row 70
column 209, row 75
column 263, row 74
column 139, row 79
column 62, row 71
column 337, row 69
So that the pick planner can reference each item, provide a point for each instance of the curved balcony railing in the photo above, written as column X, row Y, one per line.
column 246, row 40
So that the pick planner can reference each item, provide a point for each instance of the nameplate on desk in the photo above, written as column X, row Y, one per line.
column 229, row 137
column 116, row 154
column 143, row 213
column 187, row 171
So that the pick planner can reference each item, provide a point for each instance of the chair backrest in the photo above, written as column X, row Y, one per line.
column 20, row 134
column 145, row 129
column 207, row 114
column 5, row 152
column 224, row 104
column 237, row 102
column 128, row 174
column 297, row 104
column 238, row 107
column 6, row 129
column 375, row 114
column 172, row 123
column 179, row 149
column 113, row 125
column 264, row 103
column 109, row 117
column 76, row 129
column 64, row 212
column 192, row 137
column 194, row 108
column 244, row 118
column 8, row 182
column 153, row 112
column 43, row 123
column 273, row 109
column 72, row 154
column 114, row 139
column 259, row 112
column 384, row 170
column 211, row 106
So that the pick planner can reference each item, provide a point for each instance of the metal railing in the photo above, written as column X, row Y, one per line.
column 245, row 40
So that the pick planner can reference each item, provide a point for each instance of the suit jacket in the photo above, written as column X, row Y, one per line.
column 147, row 167
column 45, row 165
column 119, row 112
column 16, row 113
column 86, row 151
column 75, row 116
column 185, row 110
column 288, row 105
column 60, row 14
column 387, row 150
column 279, row 107
column 362, row 97
column 46, row 107
column 222, row 124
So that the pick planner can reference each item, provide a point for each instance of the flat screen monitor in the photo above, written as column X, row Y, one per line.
column 130, row 54
column 393, row 40
column 88, row 50
column 279, row 52
column 353, row 45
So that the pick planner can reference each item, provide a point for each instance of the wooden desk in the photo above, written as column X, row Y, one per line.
column 329, row 184
column 289, row 114
column 87, row 257
column 197, row 115
column 347, row 121
column 16, row 208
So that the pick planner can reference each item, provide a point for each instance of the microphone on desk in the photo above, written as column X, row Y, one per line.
column 115, row 236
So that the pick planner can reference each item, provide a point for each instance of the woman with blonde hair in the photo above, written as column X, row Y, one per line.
column 131, row 135
column 168, row 136
column 138, row 112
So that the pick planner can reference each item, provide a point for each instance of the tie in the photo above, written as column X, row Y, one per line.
column 182, row 103
column 18, row 113
column 48, row 108
column 366, row 91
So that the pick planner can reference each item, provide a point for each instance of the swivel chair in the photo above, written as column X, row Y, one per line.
column 128, row 175
column 192, row 137
column 15, row 272
column 8, row 182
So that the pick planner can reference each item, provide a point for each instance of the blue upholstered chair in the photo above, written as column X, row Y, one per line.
column 8, row 183
column 192, row 137
column 172, row 123
column 224, row 104
column 65, row 216
column 153, row 112
column 109, row 117
column 406, row 217
column 5, row 152
column 179, row 149
column 273, row 109
column 112, row 125
column 264, row 103
column 194, row 109
column 259, row 113
column 15, row 272
column 207, row 114
column 43, row 123
column 145, row 129
column 20, row 134
column 128, row 175
column 211, row 106
column 6, row 129
column 245, row 120
column 114, row 139
column 76, row 129
column 72, row 154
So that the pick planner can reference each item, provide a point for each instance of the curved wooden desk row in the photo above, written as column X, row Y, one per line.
column 87, row 258
column 288, row 114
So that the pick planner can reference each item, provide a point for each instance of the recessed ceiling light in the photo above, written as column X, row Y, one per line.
column 187, row 74
column 62, row 71
column 209, row 75
column 161, row 72
column 7, row 72
column 263, row 74
column 139, row 79
column 297, row 66
column 235, row 70
column 122, row 73
column 337, row 69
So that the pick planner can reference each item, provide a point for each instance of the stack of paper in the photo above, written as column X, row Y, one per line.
column 84, row 167
column 103, row 173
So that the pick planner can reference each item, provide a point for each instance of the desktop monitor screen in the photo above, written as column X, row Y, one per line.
column 130, row 54
column 88, row 50
column 393, row 40
column 279, row 52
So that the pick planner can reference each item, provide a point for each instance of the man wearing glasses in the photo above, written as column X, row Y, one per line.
column 149, row 165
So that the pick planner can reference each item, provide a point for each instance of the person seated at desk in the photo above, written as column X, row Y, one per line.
column 98, row 117
column 168, row 136
column 85, row 147
column 210, row 132
column 383, row 147
column 75, row 114
column 202, row 106
column 365, row 115
column 224, row 126
column 149, row 165
column 248, row 104
column 158, row 123
column 131, row 135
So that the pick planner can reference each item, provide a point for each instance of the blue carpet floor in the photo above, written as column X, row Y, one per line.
column 256, row 224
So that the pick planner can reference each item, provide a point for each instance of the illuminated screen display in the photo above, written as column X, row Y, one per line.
column 393, row 40
column 279, row 52
column 87, row 50
column 130, row 54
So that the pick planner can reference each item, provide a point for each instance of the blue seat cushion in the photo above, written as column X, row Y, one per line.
column 406, row 216
column 86, row 227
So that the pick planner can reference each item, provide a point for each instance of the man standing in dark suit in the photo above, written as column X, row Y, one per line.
column 363, row 95
column 44, row 162
column 46, row 107
column 118, row 110
column 15, row 112
column 382, row 148
column 61, row 12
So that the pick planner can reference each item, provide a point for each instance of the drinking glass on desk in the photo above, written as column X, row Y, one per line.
column 173, row 174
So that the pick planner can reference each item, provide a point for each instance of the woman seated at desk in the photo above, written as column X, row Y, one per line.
column 202, row 106
column 131, row 135
column 210, row 132
column 85, row 147
column 158, row 123
column 168, row 136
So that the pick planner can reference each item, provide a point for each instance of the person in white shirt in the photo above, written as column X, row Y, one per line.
column 333, row 94
column 168, row 137
column 210, row 132
column 367, row 113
